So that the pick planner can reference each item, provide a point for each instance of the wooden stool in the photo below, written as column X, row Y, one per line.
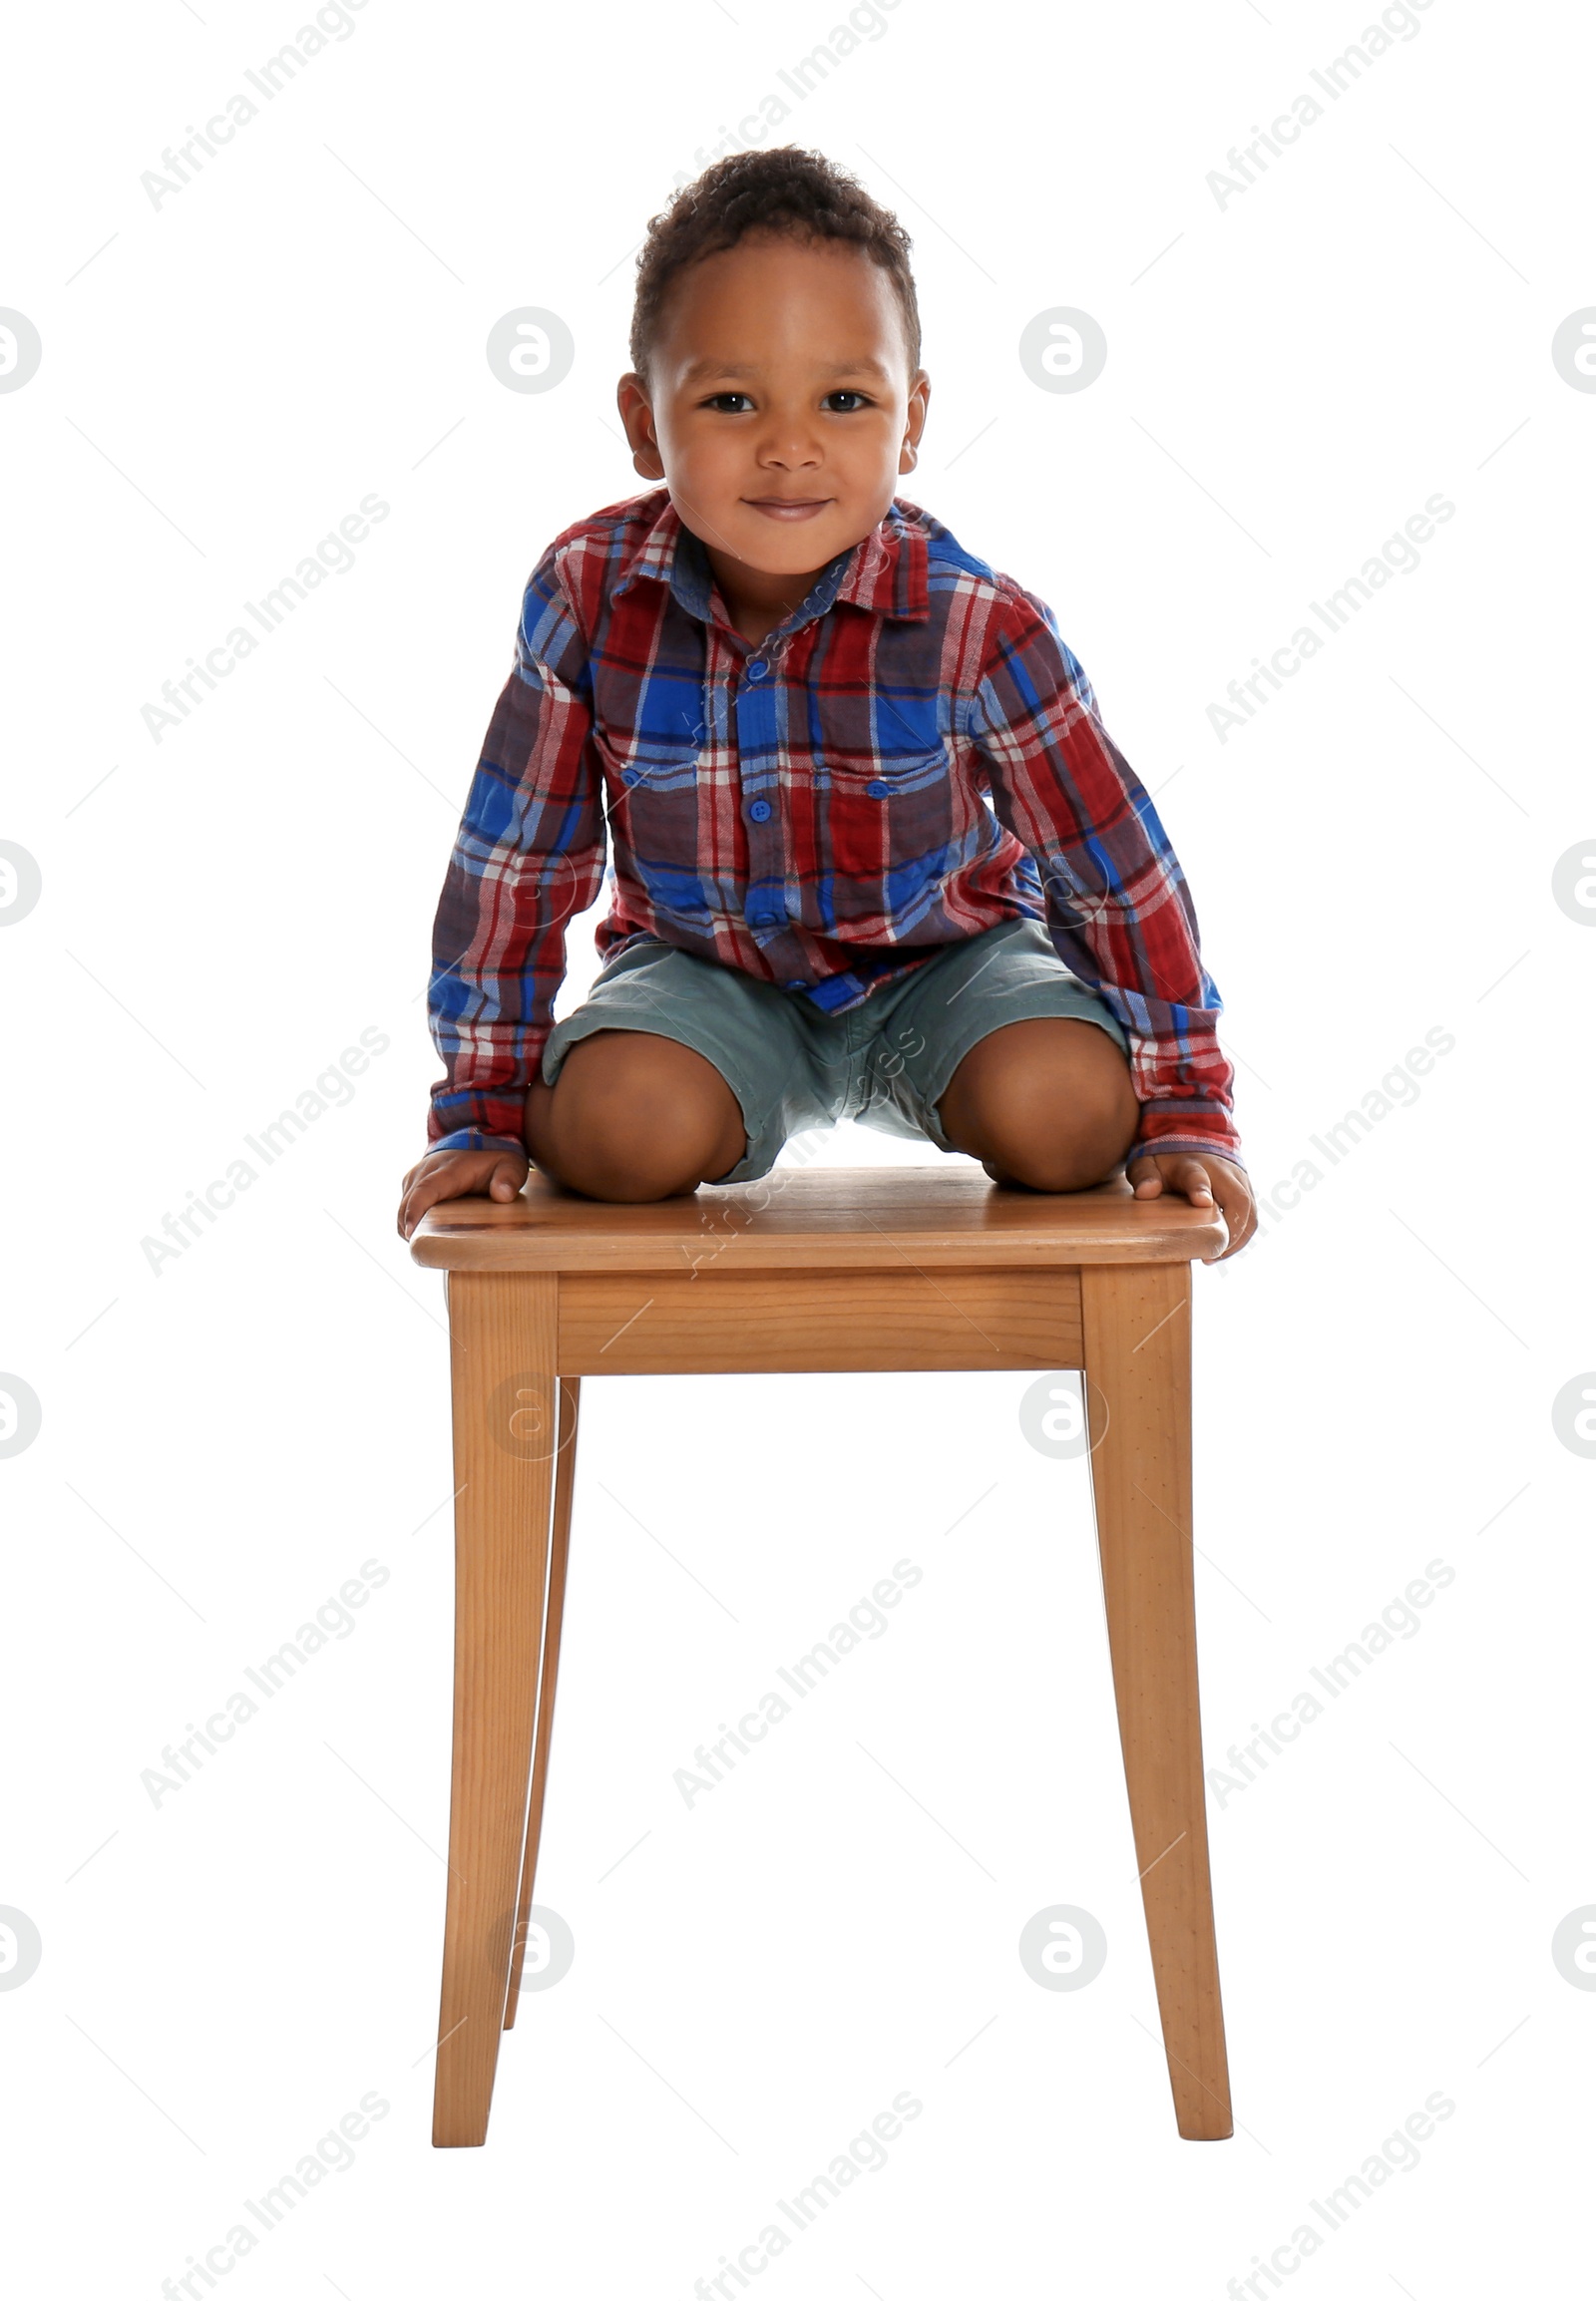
column 868, row 1269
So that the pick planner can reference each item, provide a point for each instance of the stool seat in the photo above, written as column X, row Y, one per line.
column 873, row 1269
column 839, row 1218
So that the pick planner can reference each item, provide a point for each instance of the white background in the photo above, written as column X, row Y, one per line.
column 1290, row 376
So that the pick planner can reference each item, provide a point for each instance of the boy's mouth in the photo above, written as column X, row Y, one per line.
column 787, row 506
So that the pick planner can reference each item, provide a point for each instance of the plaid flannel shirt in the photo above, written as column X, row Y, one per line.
column 912, row 757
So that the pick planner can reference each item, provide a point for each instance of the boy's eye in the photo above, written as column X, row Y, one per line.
column 723, row 402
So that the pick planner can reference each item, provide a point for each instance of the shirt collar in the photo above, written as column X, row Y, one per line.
column 885, row 573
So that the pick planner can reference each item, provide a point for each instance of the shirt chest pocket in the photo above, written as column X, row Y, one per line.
column 882, row 813
column 881, row 778
column 904, row 789
column 652, row 766
column 652, row 801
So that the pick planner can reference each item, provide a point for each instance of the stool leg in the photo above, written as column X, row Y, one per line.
column 547, row 1676
column 1137, row 1328
column 502, row 1330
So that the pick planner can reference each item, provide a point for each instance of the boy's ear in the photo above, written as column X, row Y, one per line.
column 632, row 398
column 918, row 399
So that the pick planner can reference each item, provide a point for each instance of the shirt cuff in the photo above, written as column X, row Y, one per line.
column 1187, row 1129
column 476, row 1138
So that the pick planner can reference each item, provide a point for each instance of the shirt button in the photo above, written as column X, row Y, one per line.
column 632, row 775
column 757, row 670
column 759, row 810
column 878, row 790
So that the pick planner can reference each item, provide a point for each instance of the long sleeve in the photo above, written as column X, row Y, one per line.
column 1118, row 910
column 528, row 857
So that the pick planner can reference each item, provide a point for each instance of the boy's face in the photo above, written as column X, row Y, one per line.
column 781, row 411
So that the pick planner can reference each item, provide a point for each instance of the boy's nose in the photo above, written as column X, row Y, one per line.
column 791, row 454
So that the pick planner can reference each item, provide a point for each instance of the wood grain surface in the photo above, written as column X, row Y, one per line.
column 731, row 1321
column 836, row 1218
column 1138, row 1370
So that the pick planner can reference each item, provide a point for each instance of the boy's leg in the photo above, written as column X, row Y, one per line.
column 673, row 1071
column 1046, row 1103
column 994, row 1048
column 631, row 1116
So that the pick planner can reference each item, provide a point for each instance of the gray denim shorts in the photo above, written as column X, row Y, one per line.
column 791, row 1066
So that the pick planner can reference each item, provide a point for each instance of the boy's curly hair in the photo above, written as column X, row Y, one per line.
column 798, row 194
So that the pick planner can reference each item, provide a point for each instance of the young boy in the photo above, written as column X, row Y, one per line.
column 875, row 853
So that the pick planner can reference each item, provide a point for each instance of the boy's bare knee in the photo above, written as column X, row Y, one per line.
column 1048, row 1163
column 634, row 1117
column 1048, row 1105
column 608, row 1160
column 1069, row 1148
column 1064, row 1144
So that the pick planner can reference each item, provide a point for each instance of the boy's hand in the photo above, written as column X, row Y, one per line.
column 1202, row 1179
column 459, row 1173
